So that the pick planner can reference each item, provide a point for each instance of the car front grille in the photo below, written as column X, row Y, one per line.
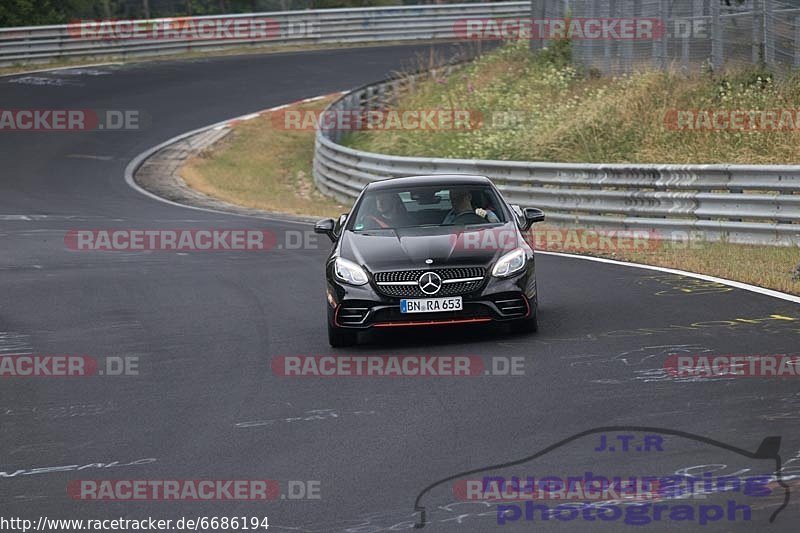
column 456, row 282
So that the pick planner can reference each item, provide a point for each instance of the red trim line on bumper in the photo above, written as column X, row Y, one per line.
column 431, row 322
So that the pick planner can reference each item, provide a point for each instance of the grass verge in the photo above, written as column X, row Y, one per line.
column 263, row 166
column 771, row 267
column 542, row 108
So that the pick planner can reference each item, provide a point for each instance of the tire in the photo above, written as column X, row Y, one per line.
column 341, row 338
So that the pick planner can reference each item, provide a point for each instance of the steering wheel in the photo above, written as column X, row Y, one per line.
column 469, row 218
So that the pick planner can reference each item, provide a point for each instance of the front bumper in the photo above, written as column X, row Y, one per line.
column 499, row 300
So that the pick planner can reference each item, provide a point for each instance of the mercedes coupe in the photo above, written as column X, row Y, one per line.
column 429, row 251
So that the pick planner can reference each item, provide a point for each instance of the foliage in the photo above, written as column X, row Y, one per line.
column 541, row 108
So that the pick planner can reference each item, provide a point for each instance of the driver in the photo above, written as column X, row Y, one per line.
column 462, row 204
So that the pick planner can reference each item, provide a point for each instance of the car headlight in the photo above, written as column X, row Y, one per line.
column 510, row 263
column 349, row 272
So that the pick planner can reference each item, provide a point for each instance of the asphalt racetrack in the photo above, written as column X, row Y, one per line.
column 206, row 326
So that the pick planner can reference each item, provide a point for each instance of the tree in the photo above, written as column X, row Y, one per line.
column 38, row 12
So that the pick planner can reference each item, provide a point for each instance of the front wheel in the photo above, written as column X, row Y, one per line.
column 340, row 338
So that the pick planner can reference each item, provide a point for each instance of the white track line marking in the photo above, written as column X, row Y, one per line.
column 730, row 283
column 59, row 68
column 137, row 161
column 89, row 156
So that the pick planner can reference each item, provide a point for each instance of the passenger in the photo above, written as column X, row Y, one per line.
column 485, row 209
column 389, row 212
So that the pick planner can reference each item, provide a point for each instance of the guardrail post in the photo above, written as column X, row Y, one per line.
column 588, row 45
column 797, row 41
column 607, row 55
column 381, row 99
column 698, row 12
column 395, row 95
column 758, row 32
column 716, row 37
column 660, row 42
column 627, row 47
column 769, row 33
column 538, row 13
column 654, row 53
column 685, row 43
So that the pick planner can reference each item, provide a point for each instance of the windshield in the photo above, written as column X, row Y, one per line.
column 411, row 207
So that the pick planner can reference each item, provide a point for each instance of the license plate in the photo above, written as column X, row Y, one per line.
column 431, row 305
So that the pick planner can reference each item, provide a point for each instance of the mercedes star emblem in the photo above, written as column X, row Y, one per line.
column 430, row 283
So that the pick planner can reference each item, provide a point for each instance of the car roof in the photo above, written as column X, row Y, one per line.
column 434, row 180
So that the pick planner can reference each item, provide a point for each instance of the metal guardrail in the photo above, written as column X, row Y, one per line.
column 738, row 203
column 309, row 27
column 741, row 203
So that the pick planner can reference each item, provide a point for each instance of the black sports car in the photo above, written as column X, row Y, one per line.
column 429, row 251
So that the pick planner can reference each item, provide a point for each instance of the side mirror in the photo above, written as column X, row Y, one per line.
column 339, row 226
column 326, row 226
column 532, row 216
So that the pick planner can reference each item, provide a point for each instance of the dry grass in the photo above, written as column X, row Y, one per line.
column 571, row 117
column 765, row 266
column 770, row 267
column 263, row 166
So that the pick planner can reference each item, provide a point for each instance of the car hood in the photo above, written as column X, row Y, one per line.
column 409, row 248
